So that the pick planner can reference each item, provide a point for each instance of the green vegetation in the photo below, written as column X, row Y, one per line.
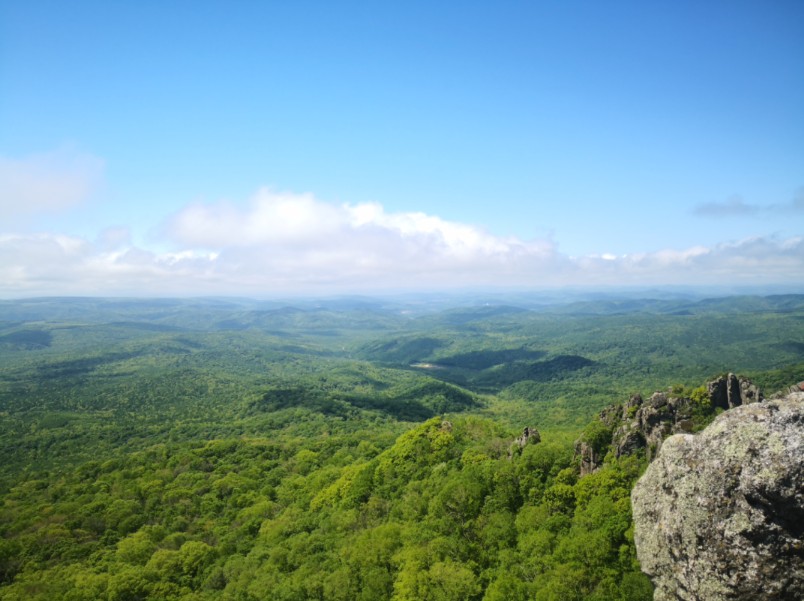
column 236, row 450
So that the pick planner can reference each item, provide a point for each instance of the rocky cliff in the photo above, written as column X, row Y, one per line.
column 640, row 424
column 720, row 515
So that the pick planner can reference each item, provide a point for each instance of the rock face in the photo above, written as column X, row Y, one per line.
column 530, row 435
column 640, row 424
column 652, row 422
column 732, row 391
column 720, row 515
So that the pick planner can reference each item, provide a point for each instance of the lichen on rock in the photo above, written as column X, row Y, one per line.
column 720, row 515
column 645, row 424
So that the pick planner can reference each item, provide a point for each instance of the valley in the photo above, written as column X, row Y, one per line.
column 350, row 448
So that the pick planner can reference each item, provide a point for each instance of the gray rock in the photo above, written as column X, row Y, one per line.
column 530, row 435
column 720, row 515
column 658, row 399
column 629, row 442
column 732, row 391
column 638, row 424
column 589, row 460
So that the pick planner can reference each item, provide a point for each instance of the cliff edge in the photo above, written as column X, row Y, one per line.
column 720, row 515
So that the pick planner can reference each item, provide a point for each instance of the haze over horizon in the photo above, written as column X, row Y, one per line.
column 270, row 149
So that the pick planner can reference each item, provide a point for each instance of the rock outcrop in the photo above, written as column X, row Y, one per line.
column 732, row 391
column 640, row 424
column 720, row 515
column 530, row 435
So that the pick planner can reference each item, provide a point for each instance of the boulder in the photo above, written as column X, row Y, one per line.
column 720, row 515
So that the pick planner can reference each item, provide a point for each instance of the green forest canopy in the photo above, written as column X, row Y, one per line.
column 218, row 449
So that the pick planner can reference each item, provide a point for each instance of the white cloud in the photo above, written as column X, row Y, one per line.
column 48, row 182
column 284, row 244
column 752, row 261
column 290, row 232
column 278, row 218
column 47, row 264
column 114, row 237
column 283, row 219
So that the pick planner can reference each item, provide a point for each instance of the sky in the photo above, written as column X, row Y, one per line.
column 274, row 148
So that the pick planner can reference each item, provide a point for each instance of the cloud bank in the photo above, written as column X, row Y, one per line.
column 281, row 244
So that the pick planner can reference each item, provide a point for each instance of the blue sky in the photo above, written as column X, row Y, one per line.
column 269, row 148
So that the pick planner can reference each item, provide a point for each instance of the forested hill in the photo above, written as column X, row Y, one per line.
column 347, row 449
